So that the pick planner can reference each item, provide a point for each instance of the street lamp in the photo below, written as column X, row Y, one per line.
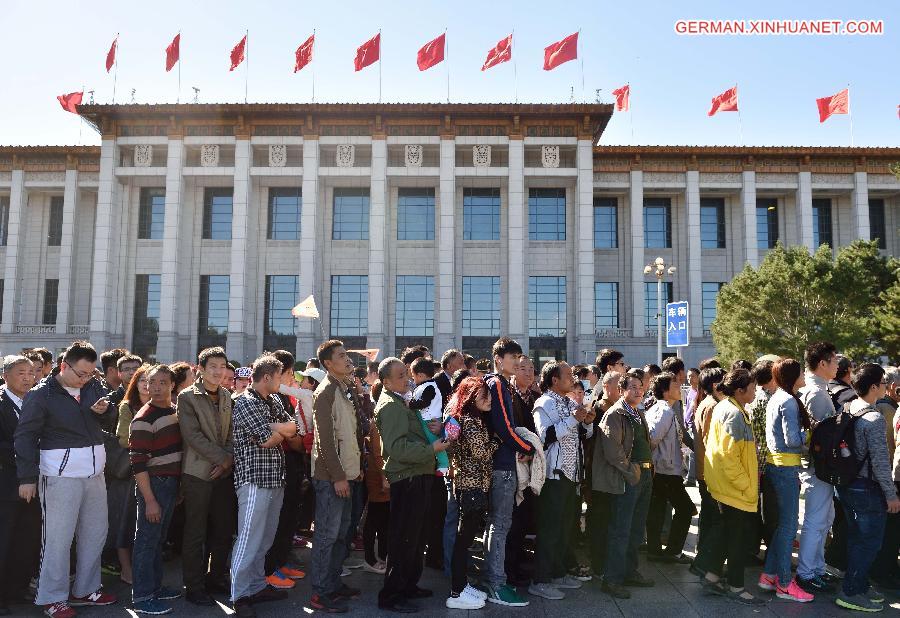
column 660, row 269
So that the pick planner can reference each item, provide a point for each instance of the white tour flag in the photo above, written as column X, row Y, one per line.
column 306, row 309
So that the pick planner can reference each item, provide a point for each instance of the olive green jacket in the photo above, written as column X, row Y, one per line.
column 405, row 447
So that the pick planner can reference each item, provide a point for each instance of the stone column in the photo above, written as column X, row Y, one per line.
column 860, row 197
column 105, row 264
column 748, row 203
column 15, row 229
column 377, row 337
column 584, row 253
column 445, row 333
column 636, row 207
column 694, row 270
column 804, row 211
column 169, row 318
column 309, row 332
column 236, row 340
column 66, row 248
column 517, row 229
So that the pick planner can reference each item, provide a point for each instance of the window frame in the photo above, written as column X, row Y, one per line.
column 340, row 221
column 270, row 292
column 771, row 222
column 471, row 228
column 535, row 327
column 822, row 226
column 337, row 328
column 55, row 221
column 210, row 194
column 274, row 229
column 401, row 312
column 50, row 302
column 877, row 211
column 715, row 205
column 665, row 204
column 473, row 308
column 149, row 227
column 615, row 322
column 612, row 204
column 544, row 218
column 406, row 213
column 704, row 310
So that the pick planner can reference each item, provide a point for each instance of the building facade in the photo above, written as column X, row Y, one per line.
column 193, row 225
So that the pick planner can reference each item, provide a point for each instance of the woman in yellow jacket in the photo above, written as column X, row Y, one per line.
column 731, row 473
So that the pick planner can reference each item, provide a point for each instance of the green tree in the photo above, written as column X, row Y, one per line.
column 794, row 298
column 887, row 315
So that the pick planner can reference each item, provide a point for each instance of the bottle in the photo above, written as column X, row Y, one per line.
column 845, row 449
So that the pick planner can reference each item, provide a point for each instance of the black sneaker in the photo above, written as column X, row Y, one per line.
column 328, row 604
column 199, row 597
column 269, row 594
column 243, row 608
column 346, row 592
column 615, row 590
column 814, row 585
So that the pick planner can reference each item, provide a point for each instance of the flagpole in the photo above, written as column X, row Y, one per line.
column 581, row 57
column 81, row 120
column 312, row 61
column 379, row 65
column 515, row 69
column 740, row 122
column 178, row 97
column 116, row 72
column 447, row 60
column 630, row 112
column 850, row 113
column 246, row 62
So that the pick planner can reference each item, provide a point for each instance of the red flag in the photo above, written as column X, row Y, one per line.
column 561, row 51
column 111, row 54
column 69, row 101
column 502, row 52
column 304, row 53
column 237, row 54
column 725, row 102
column 172, row 52
column 835, row 104
column 432, row 53
column 622, row 94
column 367, row 53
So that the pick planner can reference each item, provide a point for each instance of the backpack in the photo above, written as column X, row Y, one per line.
column 833, row 450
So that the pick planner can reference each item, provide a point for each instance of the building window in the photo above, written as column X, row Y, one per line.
column 415, row 306
column 766, row 223
column 712, row 223
column 606, row 305
column 606, row 223
column 650, row 302
column 2, row 286
column 349, row 305
column 4, row 219
column 481, row 306
column 147, row 289
column 877, row 227
column 546, row 306
column 710, row 293
column 285, row 204
column 152, row 213
column 51, row 296
column 481, row 214
column 415, row 214
column 213, row 322
column 54, row 229
column 351, row 214
column 281, row 296
column 546, row 214
column 217, row 212
column 657, row 223
column 821, row 212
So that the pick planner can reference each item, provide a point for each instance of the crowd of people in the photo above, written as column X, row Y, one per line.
column 422, row 461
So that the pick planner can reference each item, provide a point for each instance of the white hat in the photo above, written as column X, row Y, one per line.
column 313, row 372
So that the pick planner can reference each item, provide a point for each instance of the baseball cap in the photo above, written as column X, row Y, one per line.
column 243, row 372
column 313, row 372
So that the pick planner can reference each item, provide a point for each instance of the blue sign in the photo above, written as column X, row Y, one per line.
column 677, row 324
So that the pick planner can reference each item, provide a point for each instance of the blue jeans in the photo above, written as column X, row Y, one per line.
column 146, row 560
column 785, row 481
column 358, row 497
column 503, row 496
column 628, row 519
column 451, row 525
column 866, row 512
column 818, row 514
column 329, row 547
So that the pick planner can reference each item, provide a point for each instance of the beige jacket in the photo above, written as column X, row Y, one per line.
column 530, row 474
column 205, row 429
column 337, row 442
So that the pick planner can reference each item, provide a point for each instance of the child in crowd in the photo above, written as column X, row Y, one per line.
column 427, row 401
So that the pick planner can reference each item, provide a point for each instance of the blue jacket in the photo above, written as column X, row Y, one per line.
column 784, row 435
column 502, row 424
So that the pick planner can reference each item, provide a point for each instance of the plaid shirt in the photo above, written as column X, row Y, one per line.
column 252, row 415
column 758, row 425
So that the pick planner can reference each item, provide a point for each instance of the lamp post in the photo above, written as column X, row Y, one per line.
column 659, row 268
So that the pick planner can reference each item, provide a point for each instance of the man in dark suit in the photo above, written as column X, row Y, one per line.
column 451, row 362
column 20, row 521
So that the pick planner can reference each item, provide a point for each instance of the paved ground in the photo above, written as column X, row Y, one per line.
column 677, row 593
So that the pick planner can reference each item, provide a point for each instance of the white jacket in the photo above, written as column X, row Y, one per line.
column 530, row 474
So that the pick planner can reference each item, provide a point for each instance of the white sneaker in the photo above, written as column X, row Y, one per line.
column 464, row 601
column 546, row 591
column 472, row 591
column 567, row 582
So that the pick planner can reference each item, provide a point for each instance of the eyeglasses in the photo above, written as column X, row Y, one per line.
column 81, row 376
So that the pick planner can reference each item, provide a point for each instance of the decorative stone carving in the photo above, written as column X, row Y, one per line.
column 413, row 155
column 345, row 155
column 550, row 156
column 209, row 155
column 481, row 155
column 143, row 155
column 277, row 155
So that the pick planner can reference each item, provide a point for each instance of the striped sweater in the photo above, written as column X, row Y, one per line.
column 155, row 442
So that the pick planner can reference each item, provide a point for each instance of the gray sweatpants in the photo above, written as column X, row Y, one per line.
column 258, row 511
column 73, row 508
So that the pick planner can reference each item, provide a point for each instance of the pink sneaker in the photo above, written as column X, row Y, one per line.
column 767, row 582
column 793, row 593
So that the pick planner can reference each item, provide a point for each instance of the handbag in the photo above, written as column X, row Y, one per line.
column 118, row 459
column 308, row 436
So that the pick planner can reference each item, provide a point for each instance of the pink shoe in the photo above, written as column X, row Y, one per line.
column 767, row 582
column 793, row 593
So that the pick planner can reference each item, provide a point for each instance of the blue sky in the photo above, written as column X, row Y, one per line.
column 50, row 48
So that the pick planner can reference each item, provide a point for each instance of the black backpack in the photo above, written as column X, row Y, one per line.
column 833, row 450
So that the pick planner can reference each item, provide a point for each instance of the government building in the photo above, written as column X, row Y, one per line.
column 445, row 224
